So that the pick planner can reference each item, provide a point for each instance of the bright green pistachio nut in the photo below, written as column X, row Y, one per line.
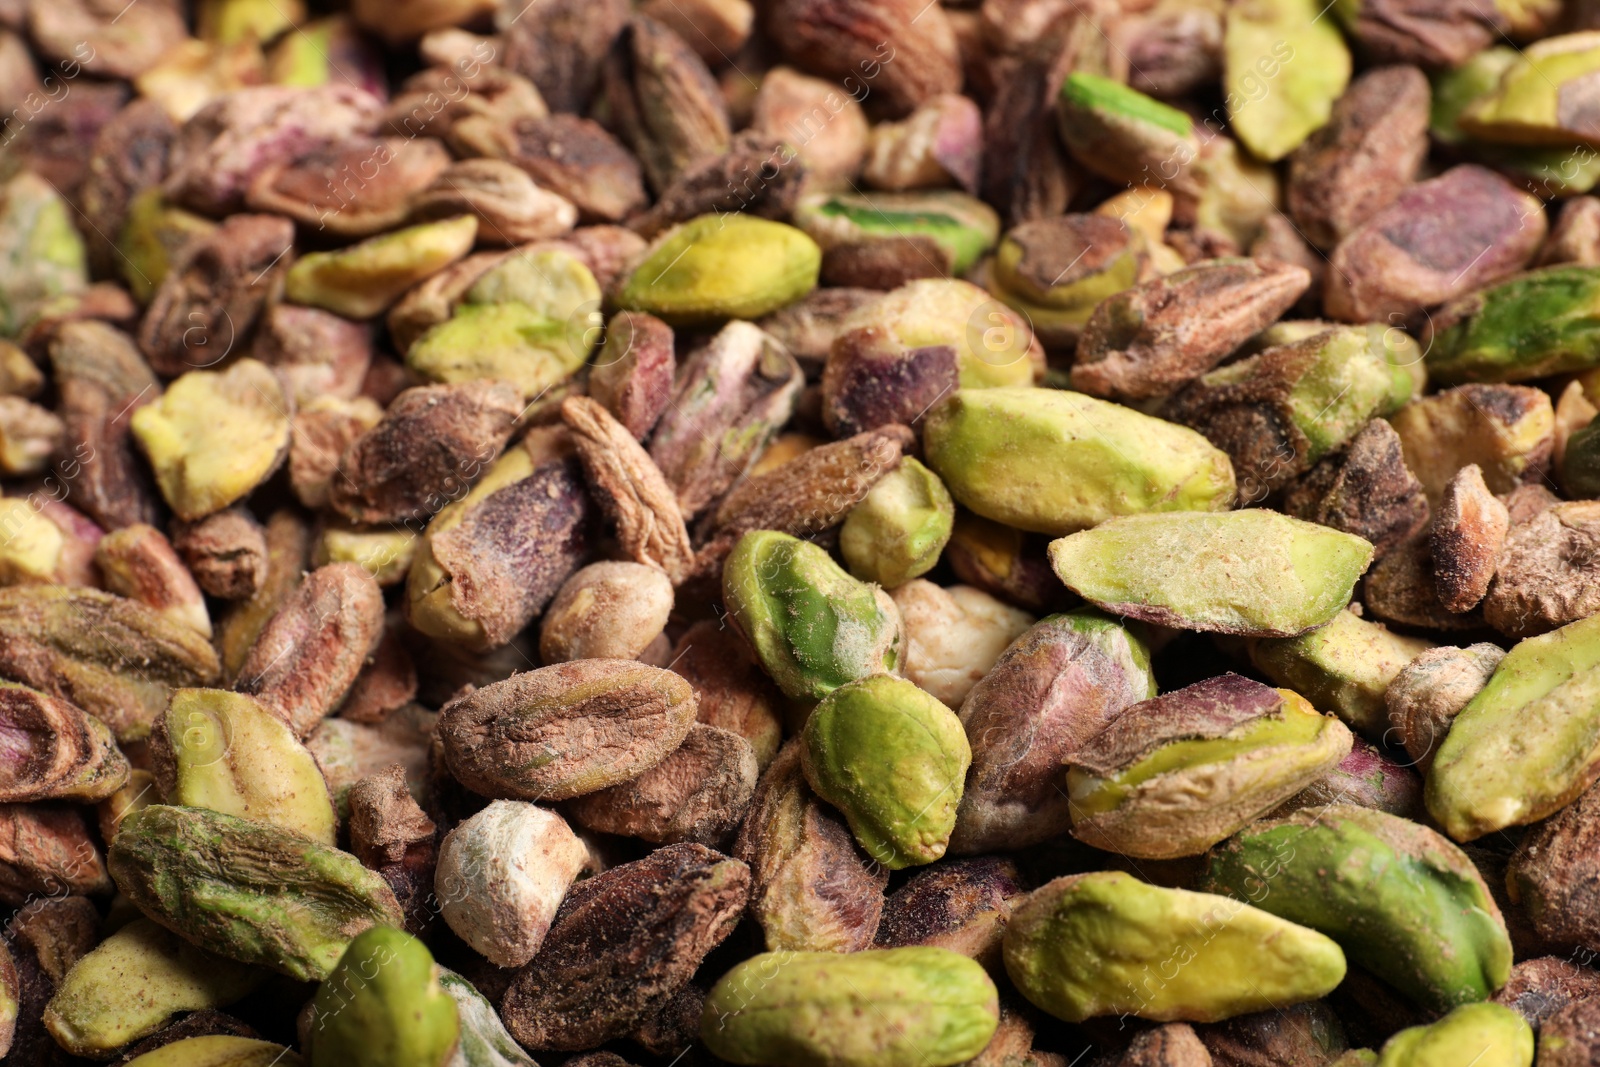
column 1402, row 901
column 248, row 890
column 1457, row 89
column 152, row 238
column 1534, row 325
column 994, row 347
column 360, row 282
column 1054, row 461
column 962, row 225
column 813, row 626
column 1124, row 135
column 892, row 758
column 41, row 253
column 218, row 1050
column 485, row 1041
column 1344, row 667
column 1283, row 67
column 133, row 982
column 383, row 1006
column 1540, row 98
column 720, row 267
column 1108, row 944
column 228, row 752
column 899, row 530
column 899, row 1007
column 1528, row 743
column 1482, row 1035
column 1254, row 572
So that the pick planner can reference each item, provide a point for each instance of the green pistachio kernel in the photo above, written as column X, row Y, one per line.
column 962, row 225
column 1534, row 325
column 42, row 254
column 1539, row 97
column 720, row 267
column 383, row 1006
column 1124, row 135
column 899, row 530
column 218, row 1050
column 1283, row 67
column 1482, row 1035
column 361, row 281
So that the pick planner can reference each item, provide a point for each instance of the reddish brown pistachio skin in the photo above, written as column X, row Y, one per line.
column 48, row 850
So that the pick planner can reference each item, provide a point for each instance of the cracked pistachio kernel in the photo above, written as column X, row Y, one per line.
column 1479, row 1035
column 1254, row 572
column 1106, row 943
column 900, row 1007
column 964, row 226
column 1283, row 67
column 385, row 552
column 214, row 436
column 1173, row 775
column 1401, row 900
column 1055, row 462
column 152, row 239
column 133, row 982
column 813, row 626
column 1057, row 270
column 720, row 267
column 32, row 548
column 230, row 753
column 485, row 1042
column 42, row 254
column 1543, row 97
column 1124, row 135
column 899, row 530
column 248, row 890
column 1458, row 88
column 1534, row 325
column 383, row 1006
column 360, row 282
column 1344, row 667
column 530, row 321
column 892, row 759
column 994, row 346
column 218, row 1050
column 1528, row 743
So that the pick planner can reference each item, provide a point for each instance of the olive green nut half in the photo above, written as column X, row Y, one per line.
column 383, row 1006
column 1537, row 99
column 900, row 1007
column 1256, row 573
column 360, row 282
column 892, row 759
column 1401, row 900
column 1483, row 1035
column 1529, row 743
column 720, row 267
column 813, row 626
column 1056, row 462
column 1174, row 775
column 218, row 1050
column 1106, row 943
column 1283, row 68
column 897, row 533
column 1533, row 325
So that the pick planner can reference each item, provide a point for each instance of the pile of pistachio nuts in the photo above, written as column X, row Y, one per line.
column 799, row 533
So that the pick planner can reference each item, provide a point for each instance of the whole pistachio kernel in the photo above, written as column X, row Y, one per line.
column 218, row 1050
column 1283, row 67
column 383, row 1006
column 899, row 530
column 360, row 282
column 964, row 226
column 1542, row 97
column 720, row 267
column 813, row 626
column 1124, row 135
column 1483, row 1035
column 1089, row 945
column 893, row 759
column 901, row 1007
column 1530, row 326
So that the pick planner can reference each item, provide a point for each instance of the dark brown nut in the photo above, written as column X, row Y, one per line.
column 48, row 850
column 757, row 175
column 385, row 685
column 731, row 690
column 226, row 552
column 561, row 45
column 699, row 793
column 565, row 730
column 568, row 155
column 962, row 905
column 104, row 39
column 320, row 354
column 885, row 263
column 308, row 655
column 599, row 1059
column 904, row 51
column 232, row 139
column 115, row 658
column 871, row 381
column 1004, row 562
column 129, row 155
column 1545, row 577
column 288, row 549
column 1432, row 33
column 731, row 397
column 510, row 207
column 1366, row 490
column 44, row 939
column 1400, row 588
column 809, row 326
column 1173, row 48
column 623, row 945
column 1307, row 1033
column 1147, row 341
column 1544, row 985
column 1369, row 151
column 56, row 751
column 390, row 834
column 29, row 436
column 1169, row 1045
column 102, row 379
column 631, row 376
column 1554, row 873
column 352, row 188
column 673, row 1029
column 1366, row 778
column 1575, row 237
column 207, row 1022
column 138, row 562
column 210, row 301
column 1439, row 239
column 1026, row 173
column 813, row 889
column 433, row 444
column 1570, row 1037
column 822, row 123
column 664, row 101
column 321, row 432
column 1468, row 531
column 609, row 610
column 630, row 488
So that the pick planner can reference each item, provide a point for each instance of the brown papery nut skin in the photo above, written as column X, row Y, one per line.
column 1575, row 237
column 1546, row 574
column 55, row 750
column 785, row 107
column 386, row 684
column 569, row 155
column 632, row 373
column 610, row 610
column 1170, row 1045
column 560, row 46
column 1555, row 872
column 757, row 176
column 320, row 353
column 1026, row 173
column 309, row 654
column 1366, row 490
column 664, row 101
column 392, row 835
column 869, row 381
column 288, row 548
column 321, row 432
column 129, row 155
column 1468, row 531
column 731, row 690
column 48, row 850
column 699, row 793
column 885, row 263
column 625, row 943
column 1400, row 589
column 1366, row 778
column 809, row 326
column 1542, row 986
column 1431, row 690
column 812, row 888
column 962, row 905
column 315, row 188
column 139, row 562
column 45, row 938
column 1570, row 1037
column 1298, row 1036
